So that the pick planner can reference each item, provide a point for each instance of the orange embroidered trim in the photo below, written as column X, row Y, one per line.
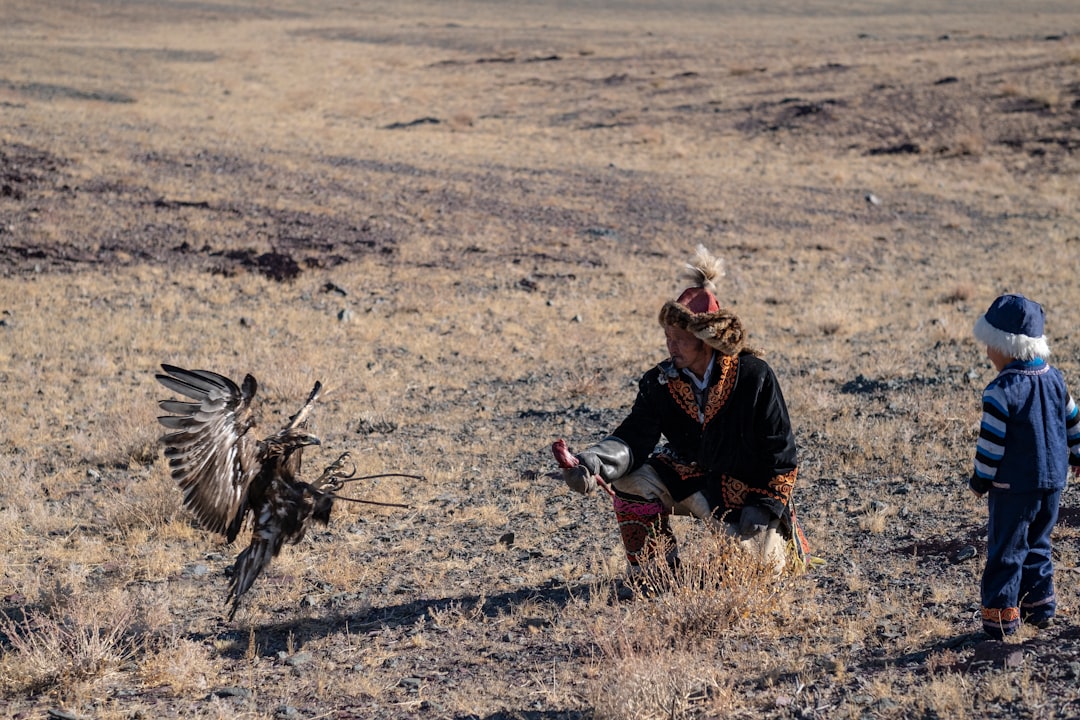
column 733, row 491
column 685, row 471
column 721, row 391
column 718, row 394
column 683, row 396
column 783, row 485
column 1001, row 615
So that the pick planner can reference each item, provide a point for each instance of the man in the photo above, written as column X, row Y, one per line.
column 729, row 452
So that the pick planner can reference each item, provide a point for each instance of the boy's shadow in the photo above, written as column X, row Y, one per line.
column 990, row 654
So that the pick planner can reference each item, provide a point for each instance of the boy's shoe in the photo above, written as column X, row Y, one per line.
column 999, row 623
column 1039, row 620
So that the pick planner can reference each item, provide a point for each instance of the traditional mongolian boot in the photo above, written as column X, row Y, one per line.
column 646, row 531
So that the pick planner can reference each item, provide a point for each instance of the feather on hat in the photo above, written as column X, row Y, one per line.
column 697, row 310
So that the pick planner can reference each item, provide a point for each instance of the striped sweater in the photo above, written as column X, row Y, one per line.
column 1030, row 430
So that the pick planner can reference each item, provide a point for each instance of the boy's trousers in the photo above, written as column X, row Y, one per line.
column 1019, row 576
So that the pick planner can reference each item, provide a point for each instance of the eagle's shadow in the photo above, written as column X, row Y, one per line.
column 271, row 639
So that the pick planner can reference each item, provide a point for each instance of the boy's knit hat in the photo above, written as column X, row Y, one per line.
column 1014, row 325
column 698, row 311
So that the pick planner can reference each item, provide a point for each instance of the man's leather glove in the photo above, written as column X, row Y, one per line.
column 579, row 479
column 753, row 520
column 979, row 486
column 610, row 458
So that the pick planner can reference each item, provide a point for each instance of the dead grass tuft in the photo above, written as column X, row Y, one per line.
column 184, row 665
column 660, row 685
column 960, row 293
column 658, row 652
column 76, row 638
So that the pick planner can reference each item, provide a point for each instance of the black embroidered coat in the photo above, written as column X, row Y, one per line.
column 738, row 448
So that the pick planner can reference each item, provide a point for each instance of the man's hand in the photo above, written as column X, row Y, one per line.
column 753, row 520
column 579, row 479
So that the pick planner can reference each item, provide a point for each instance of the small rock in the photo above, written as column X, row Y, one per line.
column 299, row 659
column 965, row 553
column 997, row 654
column 233, row 692
column 507, row 539
column 873, row 199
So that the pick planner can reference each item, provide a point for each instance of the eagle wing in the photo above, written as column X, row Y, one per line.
column 210, row 453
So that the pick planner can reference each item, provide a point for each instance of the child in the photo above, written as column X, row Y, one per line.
column 1030, row 434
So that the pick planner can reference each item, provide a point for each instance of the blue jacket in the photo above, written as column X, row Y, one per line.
column 1030, row 430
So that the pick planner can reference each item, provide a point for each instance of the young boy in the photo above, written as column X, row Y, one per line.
column 1030, row 434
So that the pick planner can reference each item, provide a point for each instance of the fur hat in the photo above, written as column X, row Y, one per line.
column 698, row 311
column 1014, row 325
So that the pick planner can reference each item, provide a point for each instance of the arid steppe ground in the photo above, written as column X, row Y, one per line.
column 463, row 218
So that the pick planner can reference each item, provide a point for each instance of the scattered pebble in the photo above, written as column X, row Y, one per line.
column 967, row 552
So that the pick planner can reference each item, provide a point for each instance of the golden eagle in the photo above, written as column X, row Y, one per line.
column 226, row 473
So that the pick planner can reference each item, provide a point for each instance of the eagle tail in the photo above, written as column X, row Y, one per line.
column 249, row 564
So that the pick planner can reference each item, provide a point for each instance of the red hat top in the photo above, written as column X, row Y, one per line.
column 698, row 300
column 698, row 311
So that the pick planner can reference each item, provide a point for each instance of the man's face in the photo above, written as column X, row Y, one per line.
column 686, row 350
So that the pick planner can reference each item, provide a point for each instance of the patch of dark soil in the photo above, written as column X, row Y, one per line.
column 200, row 161
column 863, row 385
column 790, row 114
column 532, row 715
column 274, row 265
column 23, row 168
column 966, row 546
column 905, row 148
column 172, row 55
column 1069, row 517
column 49, row 91
column 830, row 67
column 412, row 123
column 277, row 243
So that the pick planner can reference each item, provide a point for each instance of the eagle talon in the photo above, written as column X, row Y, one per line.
column 332, row 477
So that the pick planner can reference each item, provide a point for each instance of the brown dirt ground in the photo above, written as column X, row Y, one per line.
column 838, row 160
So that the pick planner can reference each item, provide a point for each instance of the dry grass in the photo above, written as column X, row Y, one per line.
column 471, row 289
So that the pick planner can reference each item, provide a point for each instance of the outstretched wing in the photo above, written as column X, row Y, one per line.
column 211, row 456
